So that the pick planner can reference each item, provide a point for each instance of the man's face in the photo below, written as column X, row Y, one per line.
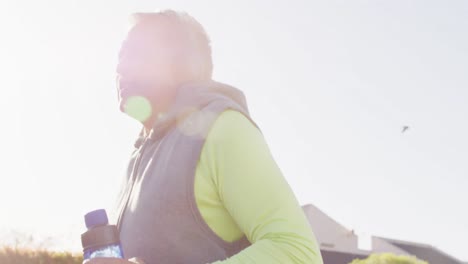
column 146, row 65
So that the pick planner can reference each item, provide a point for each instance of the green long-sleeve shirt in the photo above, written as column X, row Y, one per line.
column 240, row 190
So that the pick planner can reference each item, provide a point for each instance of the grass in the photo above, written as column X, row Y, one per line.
column 15, row 255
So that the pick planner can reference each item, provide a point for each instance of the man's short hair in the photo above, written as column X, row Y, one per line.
column 190, row 32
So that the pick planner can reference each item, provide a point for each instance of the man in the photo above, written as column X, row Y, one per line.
column 202, row 186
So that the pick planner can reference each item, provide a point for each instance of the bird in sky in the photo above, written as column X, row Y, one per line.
column 404, row 129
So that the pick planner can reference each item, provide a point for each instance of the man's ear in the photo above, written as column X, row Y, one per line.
column 196, row 67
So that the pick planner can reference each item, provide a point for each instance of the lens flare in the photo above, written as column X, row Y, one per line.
column 138, row 107
column 197, row 124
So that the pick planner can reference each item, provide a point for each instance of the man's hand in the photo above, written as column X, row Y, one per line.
column 113, row 261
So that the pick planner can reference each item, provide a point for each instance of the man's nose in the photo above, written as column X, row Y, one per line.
column 121, row 68
column 124, row 64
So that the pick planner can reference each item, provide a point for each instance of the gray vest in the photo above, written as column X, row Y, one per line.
column 159, row 220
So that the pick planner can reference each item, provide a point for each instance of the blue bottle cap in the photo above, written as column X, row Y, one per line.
column 96, row 218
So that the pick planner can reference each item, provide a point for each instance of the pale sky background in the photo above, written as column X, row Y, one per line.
column 331, row 83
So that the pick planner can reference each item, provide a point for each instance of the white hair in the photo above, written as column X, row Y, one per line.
column 190, row 31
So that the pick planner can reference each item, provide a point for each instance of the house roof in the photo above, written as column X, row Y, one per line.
column 424, row 252
column 337, row 257
column 313, row 211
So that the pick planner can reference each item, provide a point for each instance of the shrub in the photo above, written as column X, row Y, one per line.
column 388, row 258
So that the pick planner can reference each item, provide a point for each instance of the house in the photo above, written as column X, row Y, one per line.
column 422, row 251
column 340, row 245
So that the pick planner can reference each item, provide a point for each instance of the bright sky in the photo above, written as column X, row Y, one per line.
column 331, row 84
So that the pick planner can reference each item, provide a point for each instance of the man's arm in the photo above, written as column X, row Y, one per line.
column 254, row 191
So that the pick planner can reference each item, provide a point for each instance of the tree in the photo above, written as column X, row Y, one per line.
column 388, row 258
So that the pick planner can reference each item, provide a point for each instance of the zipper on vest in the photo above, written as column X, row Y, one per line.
column 136, row 168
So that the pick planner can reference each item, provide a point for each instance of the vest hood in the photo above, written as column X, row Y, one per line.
column 190, row 98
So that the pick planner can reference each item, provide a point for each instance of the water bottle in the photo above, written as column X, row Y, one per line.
column 101, row 240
